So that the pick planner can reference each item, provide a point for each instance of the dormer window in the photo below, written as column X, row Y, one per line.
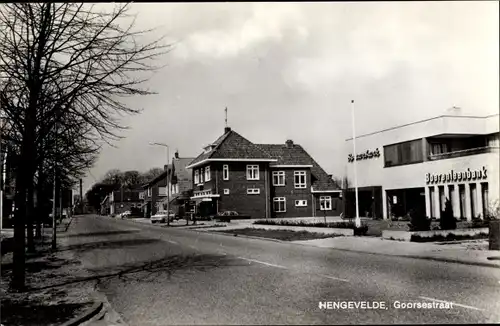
column 208, row 148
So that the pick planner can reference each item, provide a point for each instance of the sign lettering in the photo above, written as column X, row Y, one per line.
column 454, row 176
column 364, row 156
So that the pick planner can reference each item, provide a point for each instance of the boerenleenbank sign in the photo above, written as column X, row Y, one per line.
column 453, row 176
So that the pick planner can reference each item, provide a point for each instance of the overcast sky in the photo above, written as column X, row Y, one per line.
column 289, row 71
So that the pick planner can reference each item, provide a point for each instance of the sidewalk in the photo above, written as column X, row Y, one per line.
column 429, row 251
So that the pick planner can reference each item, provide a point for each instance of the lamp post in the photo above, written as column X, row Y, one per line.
column 168, row 180
column 357, row 220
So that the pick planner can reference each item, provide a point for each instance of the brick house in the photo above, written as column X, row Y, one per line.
column 121, row 200
column 153, row 193
column 181, row 182
column 261, row 180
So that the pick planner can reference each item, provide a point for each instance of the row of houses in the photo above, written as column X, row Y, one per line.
column 407, row 169
column 234, row 174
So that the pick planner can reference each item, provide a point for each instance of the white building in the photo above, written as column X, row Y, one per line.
column 419, row 165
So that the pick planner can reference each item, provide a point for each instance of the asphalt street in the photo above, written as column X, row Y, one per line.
column 167, row 276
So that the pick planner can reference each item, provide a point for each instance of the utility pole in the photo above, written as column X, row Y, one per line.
column 357, row 221
column 168, row 179
column 81, row 197
column 54, row 203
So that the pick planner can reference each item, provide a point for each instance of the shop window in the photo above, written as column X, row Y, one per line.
column 431, row 201
column 484, row 192
column 473, row 199
column 451, row 191
column 442, row 199
column 461, row 195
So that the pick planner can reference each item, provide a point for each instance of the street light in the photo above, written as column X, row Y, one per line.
column 168, row 180
column 357, row 220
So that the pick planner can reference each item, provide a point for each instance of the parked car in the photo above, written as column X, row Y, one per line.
column 161, row 217
column 125, row 214
column 226, row 216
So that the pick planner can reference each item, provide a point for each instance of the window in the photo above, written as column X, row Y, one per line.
column 226, row 191
column 196, row 177
column 300, row 203
column 403, row 153
column 225, row 172
column 201, row 175
column 431, row 202
column 485, row 203
column 207, row 173
column 149, row 192
column 278, row 178
column 473, row 200
column 252, row 172
column 253, row 191
column 325, row 203
column 279, row 204
column 300, row 179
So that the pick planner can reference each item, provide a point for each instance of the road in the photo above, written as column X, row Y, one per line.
column 159, row 276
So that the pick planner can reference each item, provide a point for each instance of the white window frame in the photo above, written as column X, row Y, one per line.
column 252, row 172
column 279, row 175
column 201, row 175
column 207, row 174
column 149, row 192
column 279, row 200
column 253, row 191
column 196, row 177
column 225, row 172
column 226, row 191
column 300, row 185
column 326, row 200
column 301, row 203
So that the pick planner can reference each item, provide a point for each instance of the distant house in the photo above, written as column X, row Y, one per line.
column 180, row 185
column 154, row 192
column 261, row 180
column 122, row 200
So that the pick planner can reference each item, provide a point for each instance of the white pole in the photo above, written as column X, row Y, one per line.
column 357, row 220
column 169, row 178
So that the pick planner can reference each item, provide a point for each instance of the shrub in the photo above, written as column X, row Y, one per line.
column 361, row 231
column 419, row 222
column 447, row 220
column 448, row 237
column 479, row 223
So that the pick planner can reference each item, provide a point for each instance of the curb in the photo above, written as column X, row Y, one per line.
column 446, row 260
column 94, row 310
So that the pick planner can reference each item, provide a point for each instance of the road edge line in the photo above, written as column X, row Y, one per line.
column 85, row 316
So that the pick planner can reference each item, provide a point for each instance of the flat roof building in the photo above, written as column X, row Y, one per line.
column 417, row 166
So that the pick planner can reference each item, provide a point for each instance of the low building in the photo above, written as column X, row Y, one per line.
column 123, row 200
column 416, row 167
column 261, row 180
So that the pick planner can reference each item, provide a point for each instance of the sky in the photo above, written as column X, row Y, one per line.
column 290, row 71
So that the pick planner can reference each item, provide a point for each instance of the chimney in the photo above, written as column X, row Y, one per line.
column 227, row 129
column 176, row 154
column 289, row 143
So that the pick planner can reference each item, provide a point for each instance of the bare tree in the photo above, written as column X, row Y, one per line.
column 71, row 60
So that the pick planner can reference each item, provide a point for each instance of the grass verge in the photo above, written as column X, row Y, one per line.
column 284, row 235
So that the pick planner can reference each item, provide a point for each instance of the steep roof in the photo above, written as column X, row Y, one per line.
column 160, row 178
column 297, row 155
column 232, row 145
column 179, row 167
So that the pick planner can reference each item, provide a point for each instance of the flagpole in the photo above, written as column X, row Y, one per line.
column 357, row 220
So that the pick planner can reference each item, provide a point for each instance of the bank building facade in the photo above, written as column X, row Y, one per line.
column 420, row 165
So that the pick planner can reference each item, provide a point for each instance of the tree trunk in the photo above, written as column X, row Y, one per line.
column 29, row 218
